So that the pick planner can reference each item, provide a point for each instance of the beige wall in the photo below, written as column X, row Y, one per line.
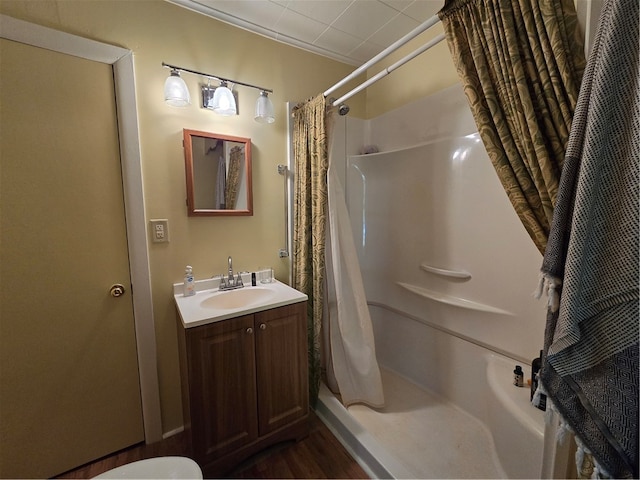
column 434, row 69
column 428, row 73
column 158, row 31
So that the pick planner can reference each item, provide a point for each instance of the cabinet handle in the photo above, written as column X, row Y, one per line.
column 263, row 326
column 249, row 330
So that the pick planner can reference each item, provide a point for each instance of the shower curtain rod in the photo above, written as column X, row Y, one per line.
column 390, row 49
column 389, row 69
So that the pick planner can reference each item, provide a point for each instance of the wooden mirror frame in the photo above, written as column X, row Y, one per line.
column 188, row 136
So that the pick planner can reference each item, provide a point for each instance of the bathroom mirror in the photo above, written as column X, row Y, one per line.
column 218, row 172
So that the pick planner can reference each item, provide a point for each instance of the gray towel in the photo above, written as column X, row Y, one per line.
column 590, row 371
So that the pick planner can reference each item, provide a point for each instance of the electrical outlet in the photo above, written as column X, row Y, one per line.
column 159, row 230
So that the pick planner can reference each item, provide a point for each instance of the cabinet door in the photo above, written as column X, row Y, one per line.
column 223, row 386
column 281, row 364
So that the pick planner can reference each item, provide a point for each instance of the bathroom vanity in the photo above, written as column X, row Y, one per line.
column 244, row 371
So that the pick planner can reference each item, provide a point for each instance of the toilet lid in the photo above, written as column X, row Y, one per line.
column 159, row 467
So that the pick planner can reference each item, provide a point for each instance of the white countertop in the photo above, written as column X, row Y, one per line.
column 194, row 312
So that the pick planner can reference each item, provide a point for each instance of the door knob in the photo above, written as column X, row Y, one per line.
column 263, row 326
column 249, row 330
column 117, row 290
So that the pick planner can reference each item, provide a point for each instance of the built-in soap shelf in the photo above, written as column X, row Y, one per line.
column 444, row 272
column 452, row 300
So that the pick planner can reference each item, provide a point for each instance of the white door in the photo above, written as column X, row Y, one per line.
column 69, row 386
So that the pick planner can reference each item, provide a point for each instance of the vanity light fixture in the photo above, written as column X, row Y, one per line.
column 208, row 92
column 223, row 100
column 176, row 92
column 264, row 109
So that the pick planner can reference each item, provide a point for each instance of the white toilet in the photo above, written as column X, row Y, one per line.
column 159, row 467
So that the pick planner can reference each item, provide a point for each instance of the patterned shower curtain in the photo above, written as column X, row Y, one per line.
column 521, row 64
column 310, row 152
column 233, row 177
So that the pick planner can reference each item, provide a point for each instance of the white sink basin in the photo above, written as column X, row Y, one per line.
column 244, row 297
column 211, row 305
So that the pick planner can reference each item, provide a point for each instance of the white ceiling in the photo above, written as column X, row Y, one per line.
column 350, row 31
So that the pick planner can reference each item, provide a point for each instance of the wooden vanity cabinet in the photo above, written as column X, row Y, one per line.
column 244, row 385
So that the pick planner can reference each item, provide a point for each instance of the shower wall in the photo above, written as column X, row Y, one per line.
column 431, row 201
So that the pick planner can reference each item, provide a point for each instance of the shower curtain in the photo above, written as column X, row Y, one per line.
column 321, row 230
column 310, row 157
column 221, row 184
column 353, row 367
column 233, row 178
column 521, row 63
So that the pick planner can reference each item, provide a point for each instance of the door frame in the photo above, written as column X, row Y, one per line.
column 121, row 61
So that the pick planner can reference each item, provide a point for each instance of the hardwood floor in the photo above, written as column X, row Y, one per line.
column 320, row 455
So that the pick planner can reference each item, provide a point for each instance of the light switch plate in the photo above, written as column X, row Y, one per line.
column 159, row 230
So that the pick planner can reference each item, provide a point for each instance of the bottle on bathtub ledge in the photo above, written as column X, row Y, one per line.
column 536, row 364
column 538, row 399
column 518, row 376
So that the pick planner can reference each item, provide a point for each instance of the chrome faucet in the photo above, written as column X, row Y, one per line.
column 228, row 282
column 230, row 277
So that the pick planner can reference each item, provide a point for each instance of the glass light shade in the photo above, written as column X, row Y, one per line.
column 264, row 109
column 176, row 92
column 223, row 102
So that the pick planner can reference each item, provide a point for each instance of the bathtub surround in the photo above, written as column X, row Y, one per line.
column 590, row 372
column 430, row 198
column 522, row 88
column 466, row 223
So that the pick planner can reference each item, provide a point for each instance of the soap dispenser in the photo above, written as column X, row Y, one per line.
column 189, row 285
